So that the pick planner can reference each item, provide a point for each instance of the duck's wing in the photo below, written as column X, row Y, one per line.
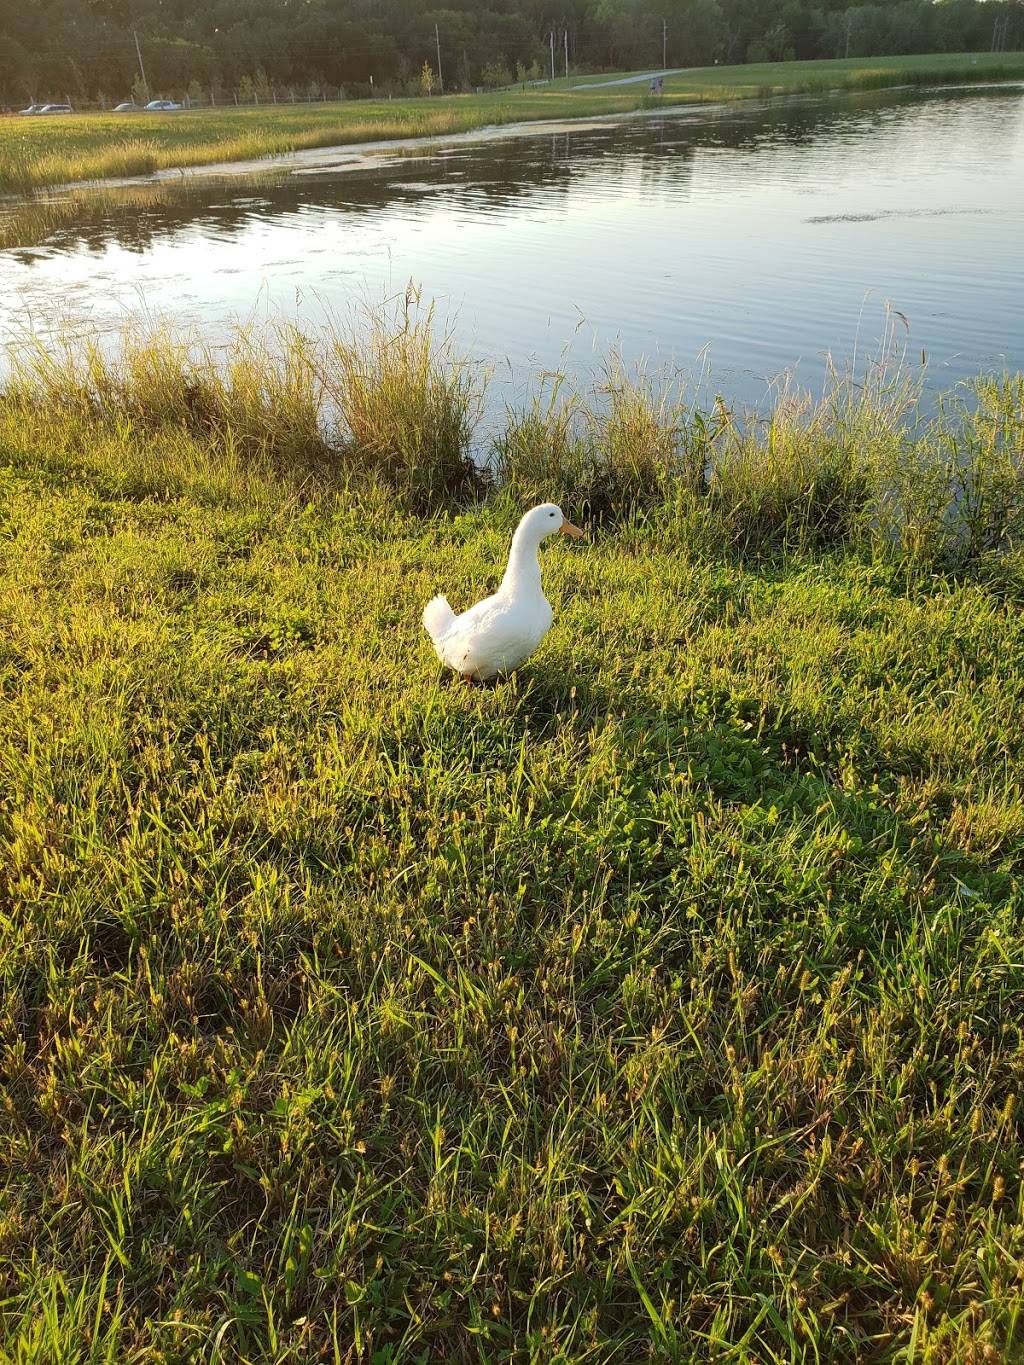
column 448, row 630
column 492, row 637
column 476, row 623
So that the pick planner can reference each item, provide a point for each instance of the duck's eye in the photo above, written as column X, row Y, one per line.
column 551, row 514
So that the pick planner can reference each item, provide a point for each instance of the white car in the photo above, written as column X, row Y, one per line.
column 32, row 109
column 161, row 106
column 129, row 107
column 56, row 109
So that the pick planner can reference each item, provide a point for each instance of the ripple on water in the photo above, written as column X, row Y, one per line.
column 660, row 236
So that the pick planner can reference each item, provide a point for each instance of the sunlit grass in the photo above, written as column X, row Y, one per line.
column 853, row 73
column 390, row 401
column 40, row 152
column 95, row 147
column 661, row 1003
column 941, row 65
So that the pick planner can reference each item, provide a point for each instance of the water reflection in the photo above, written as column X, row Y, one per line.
column 762, row 230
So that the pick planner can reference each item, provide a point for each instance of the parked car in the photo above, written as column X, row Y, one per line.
column 56, row 109
column 161, row 106
column 129, row 107
column 32, row 109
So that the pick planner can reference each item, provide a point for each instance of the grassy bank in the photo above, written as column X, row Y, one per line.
column 761, row 78
column 663, row 1003
column 51, row 151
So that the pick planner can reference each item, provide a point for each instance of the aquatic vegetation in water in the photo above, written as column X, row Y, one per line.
column 389, row 402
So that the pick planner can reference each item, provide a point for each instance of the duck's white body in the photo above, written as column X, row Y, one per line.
column 498, row 634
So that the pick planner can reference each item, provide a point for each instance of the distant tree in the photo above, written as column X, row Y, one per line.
column 495, row 75
column 53, row 47
column 699, row 36
column 15, row 69
column 426, row 78
column 773, row 46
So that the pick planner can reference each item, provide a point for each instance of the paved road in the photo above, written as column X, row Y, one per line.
column 630, row 80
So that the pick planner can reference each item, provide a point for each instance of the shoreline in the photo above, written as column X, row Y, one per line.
column 359, row 154
column 352, row 156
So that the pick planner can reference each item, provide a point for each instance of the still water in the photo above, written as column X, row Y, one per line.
column 740, row 242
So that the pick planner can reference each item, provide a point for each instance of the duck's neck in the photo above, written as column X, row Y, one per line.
column 522, row 577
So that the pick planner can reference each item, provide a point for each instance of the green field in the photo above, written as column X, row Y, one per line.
column 755, row 78
column 50, row 151
column 662, row 1003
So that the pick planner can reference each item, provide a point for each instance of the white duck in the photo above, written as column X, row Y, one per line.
column 502, row 631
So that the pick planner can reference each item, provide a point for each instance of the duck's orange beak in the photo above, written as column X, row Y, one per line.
column 568, row 529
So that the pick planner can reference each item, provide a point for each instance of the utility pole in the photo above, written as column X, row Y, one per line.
column 440, row 78
column 849, row 23
column 566, row 54
column 664, row 44
column 551, row 37
column 142, row 69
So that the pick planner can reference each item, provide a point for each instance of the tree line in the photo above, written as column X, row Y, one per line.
column 86, row 49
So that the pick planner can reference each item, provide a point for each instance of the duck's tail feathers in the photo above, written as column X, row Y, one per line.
column 437, row 617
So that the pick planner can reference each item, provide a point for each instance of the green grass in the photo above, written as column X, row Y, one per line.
column 50, row 151
column 755, row 78
column 661, row 1003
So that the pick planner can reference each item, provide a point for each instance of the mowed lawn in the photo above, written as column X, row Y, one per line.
column 755, row 78
column 36, row 152
column 663, row 1003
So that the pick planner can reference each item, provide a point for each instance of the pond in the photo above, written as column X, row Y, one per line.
column 738, row 243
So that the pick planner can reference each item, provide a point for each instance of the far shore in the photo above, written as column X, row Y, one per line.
column 119, row 150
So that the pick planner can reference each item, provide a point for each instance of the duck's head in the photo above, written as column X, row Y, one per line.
column 543, row 521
